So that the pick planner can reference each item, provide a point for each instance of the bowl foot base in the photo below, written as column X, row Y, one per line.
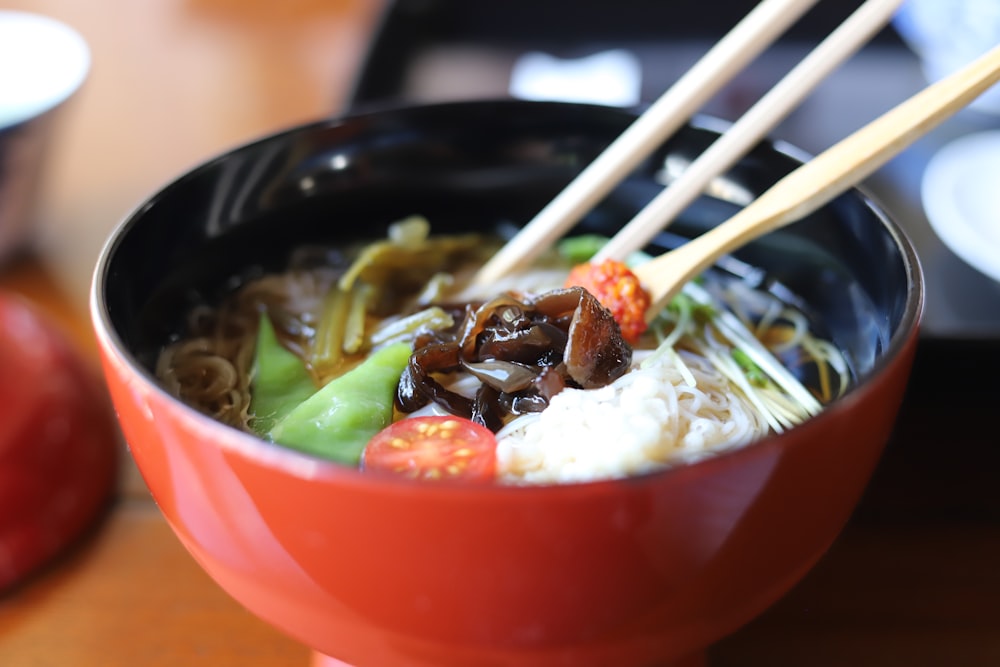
column 320, row 660
column 695, row 660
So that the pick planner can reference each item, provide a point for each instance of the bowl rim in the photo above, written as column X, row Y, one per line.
column 307, row 465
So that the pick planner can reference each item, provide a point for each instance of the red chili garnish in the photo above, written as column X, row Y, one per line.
column 618, row 289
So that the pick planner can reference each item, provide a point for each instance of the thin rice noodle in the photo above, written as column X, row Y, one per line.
column 648, row 419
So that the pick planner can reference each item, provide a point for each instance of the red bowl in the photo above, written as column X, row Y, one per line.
column 370, row 571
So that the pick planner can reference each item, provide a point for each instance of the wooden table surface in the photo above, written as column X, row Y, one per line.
column 913, row 580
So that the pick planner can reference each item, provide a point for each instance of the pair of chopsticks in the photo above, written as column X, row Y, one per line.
column 758, row 29
column 822, row 178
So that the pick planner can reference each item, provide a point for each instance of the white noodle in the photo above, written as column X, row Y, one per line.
column 648, row 419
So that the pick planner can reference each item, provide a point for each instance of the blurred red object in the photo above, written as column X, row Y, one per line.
column 58, row 441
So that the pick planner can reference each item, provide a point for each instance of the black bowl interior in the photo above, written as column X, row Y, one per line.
column 487, row 165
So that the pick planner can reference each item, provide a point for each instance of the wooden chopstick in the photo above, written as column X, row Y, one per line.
column 822, row 178
column 757, row 30
column 760, row 119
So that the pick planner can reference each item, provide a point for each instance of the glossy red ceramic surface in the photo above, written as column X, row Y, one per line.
column 618, row 573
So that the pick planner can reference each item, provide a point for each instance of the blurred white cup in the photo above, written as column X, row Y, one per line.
column 947, row 34
column 42, row 64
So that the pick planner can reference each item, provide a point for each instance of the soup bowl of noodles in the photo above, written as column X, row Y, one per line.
column 398, row 466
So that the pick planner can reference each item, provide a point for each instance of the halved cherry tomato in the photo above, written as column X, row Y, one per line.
column 433, row 448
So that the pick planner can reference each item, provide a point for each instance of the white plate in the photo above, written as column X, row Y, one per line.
column 961, row 197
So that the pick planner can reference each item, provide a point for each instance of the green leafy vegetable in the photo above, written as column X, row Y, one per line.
column 579, row 249
column 408, row 257
column 280, row 382
column 338, row 420
column 354, row 326
column 328, row 348
column 752, row 370
column 582, row 248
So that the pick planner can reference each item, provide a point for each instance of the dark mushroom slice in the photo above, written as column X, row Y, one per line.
column 523, row 353
column 596, row 354
column 417, row 386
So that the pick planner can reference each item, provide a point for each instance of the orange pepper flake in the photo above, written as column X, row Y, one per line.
column 614, row 285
